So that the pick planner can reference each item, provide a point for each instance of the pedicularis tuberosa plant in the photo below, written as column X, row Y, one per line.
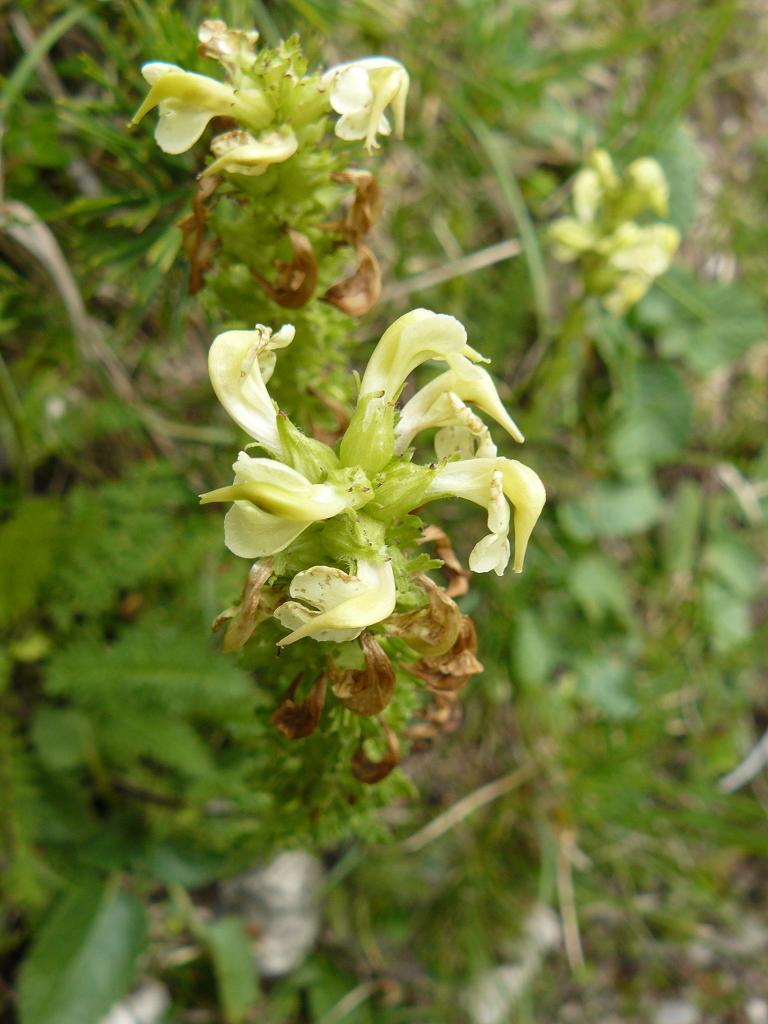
column 331, row 502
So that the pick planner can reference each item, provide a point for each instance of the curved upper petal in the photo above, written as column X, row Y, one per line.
column 237, row 379
column 467, row 380
column 409, row 341
column 351, row 91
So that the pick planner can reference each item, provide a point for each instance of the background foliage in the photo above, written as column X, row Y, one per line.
column 623, row 670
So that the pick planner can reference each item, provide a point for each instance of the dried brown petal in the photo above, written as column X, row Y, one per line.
column 366, row 691
column 443, row 715
column 368, row 771
column 296, row 281
column 357, row 294
column 432, row 630
column 452, row 670
column 295, row 721
column 243, row 618
column 445, row 711
column 366, row 208
column 458, row 576
column 421, row 736
column 222, row 43
column 198, row 251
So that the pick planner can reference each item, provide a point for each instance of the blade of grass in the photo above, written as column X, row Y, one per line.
column 17, row 80
column 528, row 238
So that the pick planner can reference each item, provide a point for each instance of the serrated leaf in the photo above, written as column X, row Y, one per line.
column 234, row 966
column 83, row 959
column 736, row 323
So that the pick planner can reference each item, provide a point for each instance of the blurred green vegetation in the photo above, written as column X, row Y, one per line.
column 625, row 670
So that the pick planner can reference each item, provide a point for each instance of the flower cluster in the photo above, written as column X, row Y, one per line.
column 273, row 105
column 619, row 257
column 328, row 518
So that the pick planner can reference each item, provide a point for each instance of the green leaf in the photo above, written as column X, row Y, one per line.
column 727, row 615
column 605, row 682
column 182, row 864
column 680, row 529
column 233, row 964
column 736, row 323
column 27, row 547
column 62, row 737
column 733, row 562
column 681, row 159
column 612, row 510
column 714, row 325
column 656, row 421
column 598, row 586
column 84, row 957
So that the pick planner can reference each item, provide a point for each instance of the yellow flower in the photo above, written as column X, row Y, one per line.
column 333, row 605
column 188, row 101
column 488, row 482
column 239, row 364
column 440, row 403
column 274, row 504
column 238, row 152
column 638, row 254
column 361, row 91
column 407, row 343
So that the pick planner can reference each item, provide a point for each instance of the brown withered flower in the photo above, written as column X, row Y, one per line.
column 453, row 669
column 198, row 251
column 369, row 771
column 365, row 691
column 441, row 716
column 295, row 721
column 365, row 208
column 243, row 618
column 297, row 279
column 432, row 630
column 357, row 294
column 458, row 576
